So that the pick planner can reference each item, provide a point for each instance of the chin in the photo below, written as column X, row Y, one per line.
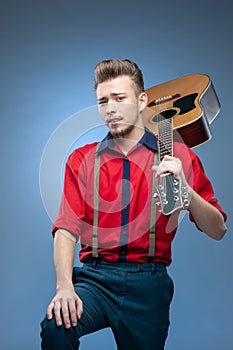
column 117, row 133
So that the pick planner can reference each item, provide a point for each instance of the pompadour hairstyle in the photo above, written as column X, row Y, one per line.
column 110, row 69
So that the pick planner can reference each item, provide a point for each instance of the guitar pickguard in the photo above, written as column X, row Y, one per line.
column 186, row 103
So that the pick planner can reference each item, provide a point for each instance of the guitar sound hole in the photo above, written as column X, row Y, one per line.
column 165, row 114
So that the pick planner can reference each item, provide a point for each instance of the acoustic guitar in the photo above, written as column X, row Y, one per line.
column 179, row 110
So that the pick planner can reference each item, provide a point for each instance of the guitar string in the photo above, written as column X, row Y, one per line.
column 164, row 142
column 166, row 139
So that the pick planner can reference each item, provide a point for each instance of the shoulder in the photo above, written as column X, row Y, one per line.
column 82, row 153
column 189, row 158
column 182, row 151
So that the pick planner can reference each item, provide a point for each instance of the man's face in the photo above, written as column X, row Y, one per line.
column 119, row 106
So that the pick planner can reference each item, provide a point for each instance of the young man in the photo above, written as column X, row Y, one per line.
column 108, row 205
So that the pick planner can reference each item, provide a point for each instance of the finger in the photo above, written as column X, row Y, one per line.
column 79, row 306
column 50, row 310
column 168, row 165
column 72, row 312
column 155, row 169
column 167, row 157
column 65, row 313
column 163, row 168
column 57, row 313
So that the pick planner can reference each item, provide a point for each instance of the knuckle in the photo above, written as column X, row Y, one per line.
column 65, row 313
column 69, row 299
column 66, row 316
column 57, row 308
column 57, row 305
column 73, row 312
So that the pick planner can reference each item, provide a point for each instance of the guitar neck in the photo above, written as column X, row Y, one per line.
column 165, row 137
column 169, row 185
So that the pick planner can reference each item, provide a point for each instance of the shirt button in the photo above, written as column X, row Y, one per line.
column 125, row 182
column 124, row 232
column 123, row 252
column 125, row 207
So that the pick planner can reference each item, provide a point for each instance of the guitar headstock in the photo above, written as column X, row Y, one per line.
column 169, row 193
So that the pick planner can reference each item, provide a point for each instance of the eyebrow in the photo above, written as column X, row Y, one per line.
column 112, row 94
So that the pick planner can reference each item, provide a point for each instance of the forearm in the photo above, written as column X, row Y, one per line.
column 207, row 217
column 66, row 302
column 64, row 250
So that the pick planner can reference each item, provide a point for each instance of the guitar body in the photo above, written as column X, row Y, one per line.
column 192, row 104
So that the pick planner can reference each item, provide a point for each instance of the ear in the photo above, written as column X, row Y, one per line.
column 142, row 101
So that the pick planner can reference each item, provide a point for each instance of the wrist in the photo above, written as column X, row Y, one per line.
column 61, row 285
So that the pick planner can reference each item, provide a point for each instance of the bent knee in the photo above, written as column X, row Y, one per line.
column 57, row 337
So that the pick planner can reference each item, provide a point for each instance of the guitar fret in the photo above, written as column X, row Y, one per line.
column 169, row 187
column 165, row 138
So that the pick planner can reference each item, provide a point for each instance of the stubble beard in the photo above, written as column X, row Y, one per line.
column 123, row 132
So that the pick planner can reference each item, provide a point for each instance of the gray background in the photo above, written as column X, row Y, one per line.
column 48, row 52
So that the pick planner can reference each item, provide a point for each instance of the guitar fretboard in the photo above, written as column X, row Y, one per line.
column 165, row 137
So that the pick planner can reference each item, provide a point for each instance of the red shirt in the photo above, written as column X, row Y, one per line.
column 125, row 194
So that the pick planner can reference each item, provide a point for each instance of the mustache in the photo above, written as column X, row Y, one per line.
column 112, row 118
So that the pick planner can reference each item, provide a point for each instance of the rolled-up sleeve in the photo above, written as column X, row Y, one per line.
column 71, row 211
column 203, row 186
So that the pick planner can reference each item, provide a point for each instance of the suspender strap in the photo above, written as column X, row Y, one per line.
column 96, row 204
column 151, row 252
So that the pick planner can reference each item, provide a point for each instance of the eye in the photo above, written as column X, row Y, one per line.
column 120, row 98
column 102, row 102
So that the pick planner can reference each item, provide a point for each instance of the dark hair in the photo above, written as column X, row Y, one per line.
column 110, row 69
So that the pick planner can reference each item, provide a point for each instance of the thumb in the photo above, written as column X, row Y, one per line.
column 155, row 169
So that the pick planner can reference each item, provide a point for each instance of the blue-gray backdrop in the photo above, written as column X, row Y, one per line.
column 48, row 52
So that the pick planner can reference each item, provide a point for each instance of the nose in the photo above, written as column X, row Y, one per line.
column 110, row 108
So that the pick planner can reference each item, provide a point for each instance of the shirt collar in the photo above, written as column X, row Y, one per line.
column 148, row 140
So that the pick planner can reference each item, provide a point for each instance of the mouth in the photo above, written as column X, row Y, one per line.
column 114, row 121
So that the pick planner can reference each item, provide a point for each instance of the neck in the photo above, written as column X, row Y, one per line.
column 128, row 141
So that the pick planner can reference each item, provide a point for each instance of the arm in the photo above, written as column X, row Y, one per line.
column 66, row 301
column 208, row 218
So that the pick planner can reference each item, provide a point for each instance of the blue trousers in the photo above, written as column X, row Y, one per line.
column 132, row 299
